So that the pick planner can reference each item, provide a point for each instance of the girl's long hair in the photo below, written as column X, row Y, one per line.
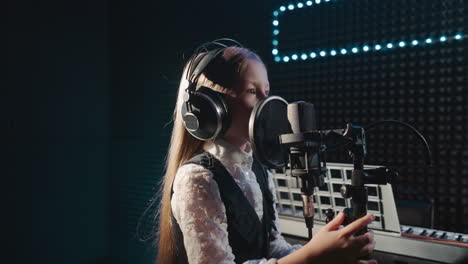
column 220, row 75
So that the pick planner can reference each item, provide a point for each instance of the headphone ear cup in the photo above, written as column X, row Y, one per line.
column 209, row 117
column 221, row 105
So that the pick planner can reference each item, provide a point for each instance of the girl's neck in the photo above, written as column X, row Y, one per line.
column 239, row 141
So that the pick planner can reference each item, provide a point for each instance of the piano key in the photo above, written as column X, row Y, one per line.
column 451, row 236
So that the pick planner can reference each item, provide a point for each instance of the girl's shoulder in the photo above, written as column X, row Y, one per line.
column 189, row 175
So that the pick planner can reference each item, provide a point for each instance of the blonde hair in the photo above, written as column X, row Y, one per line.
column 220, row 75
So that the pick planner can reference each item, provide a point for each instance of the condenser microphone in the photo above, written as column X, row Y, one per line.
column 304, row 159
column 285, row 136
column 301, row 117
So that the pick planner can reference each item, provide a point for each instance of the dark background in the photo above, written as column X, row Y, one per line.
column 91, row 86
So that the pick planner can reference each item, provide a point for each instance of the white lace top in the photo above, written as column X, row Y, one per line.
column 200, row 212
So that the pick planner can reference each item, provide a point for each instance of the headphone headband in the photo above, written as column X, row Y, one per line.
column 197, row 64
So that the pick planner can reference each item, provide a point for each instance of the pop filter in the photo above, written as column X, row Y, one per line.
column 268, row 120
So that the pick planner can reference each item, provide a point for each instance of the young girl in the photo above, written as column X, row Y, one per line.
column 221, row 211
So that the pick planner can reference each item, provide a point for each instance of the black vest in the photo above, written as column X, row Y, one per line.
column 248, row 237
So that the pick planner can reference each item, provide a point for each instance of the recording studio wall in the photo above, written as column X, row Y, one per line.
column 362, row 61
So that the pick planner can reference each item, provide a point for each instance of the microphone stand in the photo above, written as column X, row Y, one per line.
column 357, row 191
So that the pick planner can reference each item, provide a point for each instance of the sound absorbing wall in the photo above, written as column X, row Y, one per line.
column 363, row 61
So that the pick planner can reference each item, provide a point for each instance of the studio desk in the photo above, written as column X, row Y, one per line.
column 413, row 245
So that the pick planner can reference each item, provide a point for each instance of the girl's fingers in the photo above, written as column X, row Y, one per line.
column 357, row 225
column 335, row 223
column 363, row 240
column 367, row 250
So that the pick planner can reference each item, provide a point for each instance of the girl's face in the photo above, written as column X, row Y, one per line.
column 253, row 84
column 252, row 87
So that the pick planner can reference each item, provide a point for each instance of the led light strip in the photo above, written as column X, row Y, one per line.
column 320, row 53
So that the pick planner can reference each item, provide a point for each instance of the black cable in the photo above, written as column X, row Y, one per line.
column 371, row 126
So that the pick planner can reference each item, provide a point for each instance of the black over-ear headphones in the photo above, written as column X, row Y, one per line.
column 205, row 112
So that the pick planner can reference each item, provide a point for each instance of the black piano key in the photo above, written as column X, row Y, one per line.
column 459, row 238
column 424, row 233
column 409, row 230
column 444, row 235
column 432, row 234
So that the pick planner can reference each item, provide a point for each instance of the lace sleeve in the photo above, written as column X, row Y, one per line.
column 279, row 247
column 201, row 215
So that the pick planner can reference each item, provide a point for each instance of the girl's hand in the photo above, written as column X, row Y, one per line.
column 333, row 244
